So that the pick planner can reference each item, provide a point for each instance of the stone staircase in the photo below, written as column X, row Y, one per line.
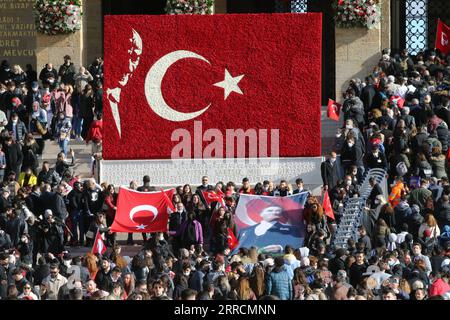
column 351, row 219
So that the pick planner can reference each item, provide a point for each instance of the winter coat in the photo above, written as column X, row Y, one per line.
column 278, row 283
column 329, row 173
column 419, row 196
column 439, row 166
column 67, row 73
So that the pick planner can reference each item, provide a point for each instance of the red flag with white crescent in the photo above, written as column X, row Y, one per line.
column 142, row 211
column 333, row 110
column 99, row 245
column 232, row 241
column 398, row 101
column 171, row 78
column 212, row 196
column 442, row 37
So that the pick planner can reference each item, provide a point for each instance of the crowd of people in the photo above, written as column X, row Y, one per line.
column 396, row 119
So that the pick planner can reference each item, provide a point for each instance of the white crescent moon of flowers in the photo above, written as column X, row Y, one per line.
column 153, row 82
column 144, row 207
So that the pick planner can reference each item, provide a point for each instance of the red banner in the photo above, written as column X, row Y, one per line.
column 212, row 196
column 333, row 110
column 327, row 208
column 442, row 37
column 171, row 78
column 142, row 211
column 99, row 245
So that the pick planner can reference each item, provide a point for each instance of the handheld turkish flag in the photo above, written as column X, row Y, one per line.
column 398, row 101
column 232, row 241
column 171, row 78
column 99, row 246
column 333, row 110
column 327, row 206
column 212, row 196
column 142, row 211
column 442, row 37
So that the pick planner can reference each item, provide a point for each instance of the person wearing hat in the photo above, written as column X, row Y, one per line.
column 278, row 281
column 67, row 71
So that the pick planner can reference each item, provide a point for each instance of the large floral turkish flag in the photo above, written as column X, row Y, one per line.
column 169, row 73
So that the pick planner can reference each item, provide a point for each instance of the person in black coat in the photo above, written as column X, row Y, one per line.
column 376, row 191
column 103, row 277
column 48, row 175
column 67, row 71
column 221, row 239
column 329, row 172
column 352, row 153
column 337, row 263
column 368, row 93
column 16, row 227
column 14, row 156
column 376, row 159
column 49, row 76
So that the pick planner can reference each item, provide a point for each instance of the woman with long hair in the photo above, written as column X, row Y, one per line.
column 244, row 292
column 128, row 284
column 91, row 264
column 201, row 212
column 257, row 280
column 429, row 224
column 186, row 197
column 300, row 285
column 118, row 259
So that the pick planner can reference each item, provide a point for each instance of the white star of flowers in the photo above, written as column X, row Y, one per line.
column 141, row 227
column 230, row 84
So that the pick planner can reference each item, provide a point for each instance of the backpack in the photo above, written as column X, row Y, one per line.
column 401, row 168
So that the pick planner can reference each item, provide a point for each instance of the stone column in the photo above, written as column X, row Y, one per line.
column 53, row 48
column 386, row 24
column 92, row 31
column 358, row 50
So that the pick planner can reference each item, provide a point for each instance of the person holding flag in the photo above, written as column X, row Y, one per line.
column 99, row 247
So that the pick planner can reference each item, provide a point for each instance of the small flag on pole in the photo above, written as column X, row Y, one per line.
column 99, row 246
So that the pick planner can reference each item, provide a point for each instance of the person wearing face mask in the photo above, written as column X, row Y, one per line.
column 63, row 129
column 376, row 159
column 16, row 128
column 352, row 153
column 48, row 76
column 329, row 172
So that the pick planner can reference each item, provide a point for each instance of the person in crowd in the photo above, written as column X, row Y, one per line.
column 49, row 76
column 67, row 71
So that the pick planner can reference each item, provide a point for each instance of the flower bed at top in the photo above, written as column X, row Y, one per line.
column 357, row 13
column 58, row 16
column 189, row 6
